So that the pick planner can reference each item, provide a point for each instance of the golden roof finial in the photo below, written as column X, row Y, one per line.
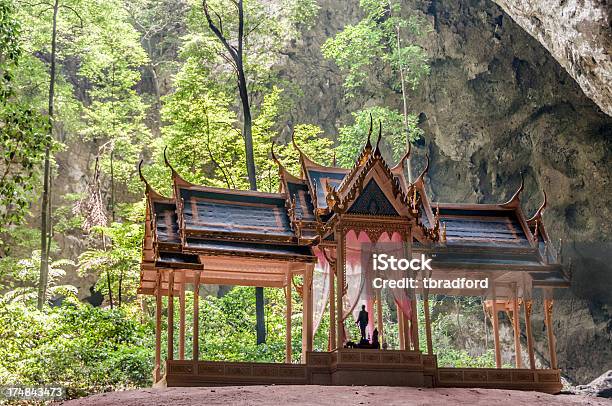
column 379, row 134
column 368, row 143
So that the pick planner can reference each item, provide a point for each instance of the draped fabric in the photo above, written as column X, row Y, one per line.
column 358, row 278
column 394, row 246
column 360, row 274
column 320, row 288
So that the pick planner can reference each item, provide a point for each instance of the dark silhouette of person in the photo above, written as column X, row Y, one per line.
column 375, row 342
column 362, row 320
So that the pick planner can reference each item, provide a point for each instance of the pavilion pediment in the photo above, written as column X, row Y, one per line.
column 370, row 188
column 373, row 202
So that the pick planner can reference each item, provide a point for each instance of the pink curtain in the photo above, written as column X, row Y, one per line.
column 358, row 279
column 360, row 274
column 394, row 246
column 320, row 288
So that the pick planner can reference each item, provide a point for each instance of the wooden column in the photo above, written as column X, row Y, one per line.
column 196, row 316
column 548, row 310
column 495, row 322
column 528, row 304
column 171, row 315
column 307, row 313
column 427, row 322
column 400, row 327
column 158, row 328
column 379, row 317
column 332, row 308
column 406, row 330
column 182, row 321
column 288, row 323
column 414, row 325
column 340, row 264
column 516, row 328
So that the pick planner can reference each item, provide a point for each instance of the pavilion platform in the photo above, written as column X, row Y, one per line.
column 359, row 367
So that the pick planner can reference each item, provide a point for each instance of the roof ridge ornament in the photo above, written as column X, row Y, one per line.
column 148, row 188
column 368, row 143
column 515, row 200
column 295, row 145
column 284, row 174
column 421, row 177
column 540, row 210
column 175, row 175
column 401, row 163
column 274, row 158
column 377, row 148
column 166, row 161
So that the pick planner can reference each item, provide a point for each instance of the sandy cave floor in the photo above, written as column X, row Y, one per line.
column 329, row 395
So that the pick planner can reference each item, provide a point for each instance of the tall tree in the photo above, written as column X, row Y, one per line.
column 235, row 57
column 45, row 214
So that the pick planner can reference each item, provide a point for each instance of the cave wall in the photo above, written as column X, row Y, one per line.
column 496, row 104
column 578, row 34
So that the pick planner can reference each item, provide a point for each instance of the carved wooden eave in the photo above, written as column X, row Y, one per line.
column 283, row 173
column 536, row 224
column 150, row 243
column 307, row 165
column 512, row 207
column 298, row 224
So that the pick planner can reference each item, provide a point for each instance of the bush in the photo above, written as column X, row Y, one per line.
column 84, row 348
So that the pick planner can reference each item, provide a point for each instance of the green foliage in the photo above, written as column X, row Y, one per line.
column 22, row 131
column 362, row 50
column 84, row 348
column 205, row 147
column 22, row 278
column 118, row 260
column 301, row 12
column 308, row 138
column 352, row 137
column 354, row 49
column 115, row 114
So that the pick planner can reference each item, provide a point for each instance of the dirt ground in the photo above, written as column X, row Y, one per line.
column 329, row 395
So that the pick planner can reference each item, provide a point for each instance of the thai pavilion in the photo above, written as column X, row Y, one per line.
column 314, row 230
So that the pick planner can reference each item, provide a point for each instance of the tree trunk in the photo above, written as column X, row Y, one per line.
column 250, row 161
column 110, row 289
column 236, row 54
column 405, row 101
column 45, row 209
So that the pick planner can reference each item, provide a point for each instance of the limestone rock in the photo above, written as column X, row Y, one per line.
column 578, row 34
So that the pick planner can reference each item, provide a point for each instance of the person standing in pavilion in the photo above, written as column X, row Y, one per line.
column 362, row 320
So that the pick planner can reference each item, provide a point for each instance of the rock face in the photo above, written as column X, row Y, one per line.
column 578, row 34
column 497, row 103
column 601, row 386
